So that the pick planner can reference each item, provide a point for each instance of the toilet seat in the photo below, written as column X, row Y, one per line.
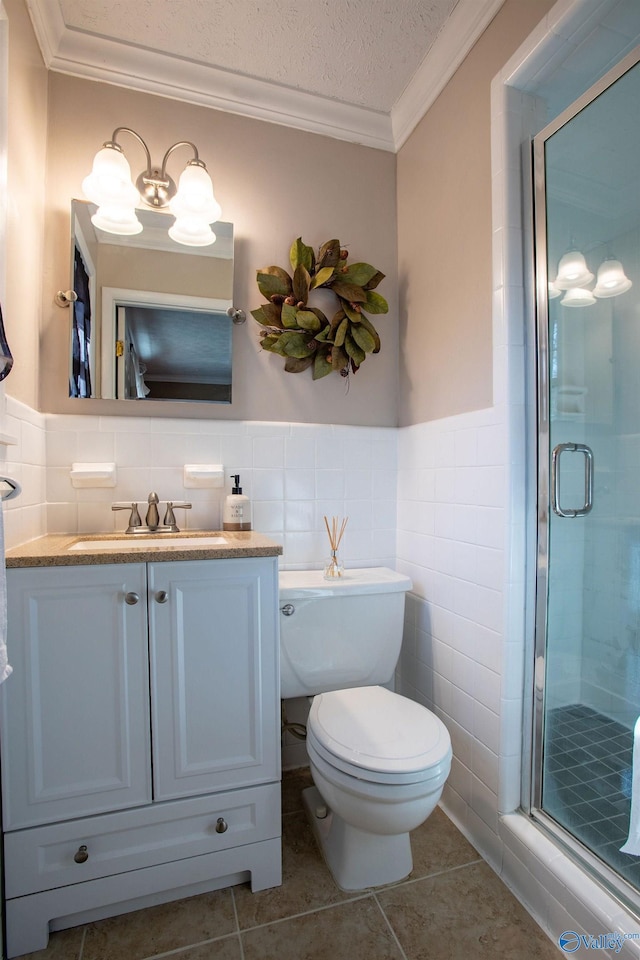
column 373, row 734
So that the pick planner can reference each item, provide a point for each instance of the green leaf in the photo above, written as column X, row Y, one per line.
column 320, row 315
column 349, row 291
column 329, row 254
column 353, row 315
column 293, row 365
column 269, row 315
column 362, row 337
column 360, row 274
column 321, row 277
column 289, row 316
column 339, row 359
column 296, row 344
column 374, row 333
column 375, row 280
column 341, row 332
column 354, row 350
column 308, row 321
column 273, row 345
column 375, row 303
column 274, row 280
column 301, row 282
column 336, row 321
column 321, row 366
column 301, row 254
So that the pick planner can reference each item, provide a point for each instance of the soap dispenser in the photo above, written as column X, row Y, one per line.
column 237, row 508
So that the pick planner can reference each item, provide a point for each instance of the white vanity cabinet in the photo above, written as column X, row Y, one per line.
column 140, row 738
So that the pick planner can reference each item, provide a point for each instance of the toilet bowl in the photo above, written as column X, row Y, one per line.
column 379, row 762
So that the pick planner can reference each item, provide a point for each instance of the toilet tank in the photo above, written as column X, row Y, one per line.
column 339, row 633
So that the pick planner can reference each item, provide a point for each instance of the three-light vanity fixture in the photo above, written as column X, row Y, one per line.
column 192, row 203
column 573, row 279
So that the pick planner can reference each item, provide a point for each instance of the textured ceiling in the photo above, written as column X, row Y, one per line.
column 358, row 51
column 361, row 70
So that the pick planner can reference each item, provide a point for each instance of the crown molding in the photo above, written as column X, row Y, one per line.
column 468, row 20
column 94, row 57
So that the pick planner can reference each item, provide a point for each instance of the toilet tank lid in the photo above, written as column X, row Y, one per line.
column 311, row 583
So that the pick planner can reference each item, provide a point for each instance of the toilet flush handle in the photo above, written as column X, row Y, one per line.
column 288, row 609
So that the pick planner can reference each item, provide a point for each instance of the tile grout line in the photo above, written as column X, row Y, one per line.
column 235, row 913
column 391, row 930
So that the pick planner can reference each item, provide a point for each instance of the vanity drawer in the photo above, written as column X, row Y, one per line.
column 42, row 858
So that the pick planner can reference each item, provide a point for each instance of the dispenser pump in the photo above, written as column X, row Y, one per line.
column 236, row 514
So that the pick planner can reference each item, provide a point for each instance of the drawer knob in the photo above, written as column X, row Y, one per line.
column 131, row 598
column 162, row 596
column 82, row 854
column 221, row 825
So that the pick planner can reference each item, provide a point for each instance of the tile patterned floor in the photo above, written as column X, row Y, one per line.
column 587, row 782
column 452, row 907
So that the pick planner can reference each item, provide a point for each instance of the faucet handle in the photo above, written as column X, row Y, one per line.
column 170, row 518
column 134, row 516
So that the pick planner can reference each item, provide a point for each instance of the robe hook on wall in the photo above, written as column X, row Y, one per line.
column 64, row 298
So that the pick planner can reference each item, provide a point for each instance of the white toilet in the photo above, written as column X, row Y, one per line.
column 379, row 761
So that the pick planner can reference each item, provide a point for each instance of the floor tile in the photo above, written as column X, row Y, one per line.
column 438, row 845
column 345, row 932
column 293, row 783
column 226, row 949
column 64, row 945
column 157, row 929
column 463, row 914
column 306, row 881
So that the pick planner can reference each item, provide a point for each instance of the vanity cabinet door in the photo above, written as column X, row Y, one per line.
column 75, row 711
column 214, row 675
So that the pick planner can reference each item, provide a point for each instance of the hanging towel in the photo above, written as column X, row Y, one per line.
column 632, row 845
column 5, row 669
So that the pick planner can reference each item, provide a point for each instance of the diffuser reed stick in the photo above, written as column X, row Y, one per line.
column 333, row 567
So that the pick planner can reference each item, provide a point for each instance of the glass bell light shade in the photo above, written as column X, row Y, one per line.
column 611, row 279
column 553, row 290
column 572, row 271
column 194, row 207
column 109, row 186
column 578, row 297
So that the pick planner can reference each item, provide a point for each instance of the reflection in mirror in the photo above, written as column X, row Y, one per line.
column 150, row 321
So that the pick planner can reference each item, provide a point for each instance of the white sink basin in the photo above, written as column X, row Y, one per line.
column 126, row 542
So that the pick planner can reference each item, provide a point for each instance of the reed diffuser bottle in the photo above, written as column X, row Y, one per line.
column 334, row 567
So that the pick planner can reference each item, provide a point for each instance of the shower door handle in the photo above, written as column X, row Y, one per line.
column 587, row 452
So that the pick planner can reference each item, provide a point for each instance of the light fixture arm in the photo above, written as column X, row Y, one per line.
column 154, row 184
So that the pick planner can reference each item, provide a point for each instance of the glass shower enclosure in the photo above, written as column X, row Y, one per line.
column 587, row 669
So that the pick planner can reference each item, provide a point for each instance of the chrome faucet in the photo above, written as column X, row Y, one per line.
column 152, row 518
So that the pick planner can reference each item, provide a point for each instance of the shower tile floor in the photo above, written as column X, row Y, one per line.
column 451, row 907
column 587, row 782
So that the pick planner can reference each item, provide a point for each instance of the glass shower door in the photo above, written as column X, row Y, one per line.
column 587, row 167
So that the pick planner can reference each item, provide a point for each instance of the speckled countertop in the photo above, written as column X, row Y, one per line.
column 53, row 549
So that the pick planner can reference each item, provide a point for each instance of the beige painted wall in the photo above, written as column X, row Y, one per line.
column 444, row 233
column 274, row 184
column 25, row 217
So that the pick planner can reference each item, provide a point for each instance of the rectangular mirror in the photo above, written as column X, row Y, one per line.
column 150, row 321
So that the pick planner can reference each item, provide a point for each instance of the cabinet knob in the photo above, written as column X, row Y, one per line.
column 82, row 854
column 221, row 825
column 162, row 596
column 131, row 598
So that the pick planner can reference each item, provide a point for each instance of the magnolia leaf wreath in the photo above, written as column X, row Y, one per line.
column 303, row 334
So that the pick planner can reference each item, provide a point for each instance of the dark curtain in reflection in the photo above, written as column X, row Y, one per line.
column 80, row 382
